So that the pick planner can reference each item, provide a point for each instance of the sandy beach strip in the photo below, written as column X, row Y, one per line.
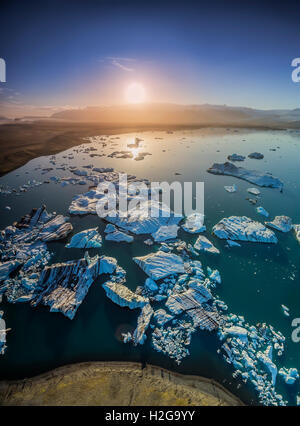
column 115, row 384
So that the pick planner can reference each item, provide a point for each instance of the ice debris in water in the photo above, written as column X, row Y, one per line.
column 231, row 188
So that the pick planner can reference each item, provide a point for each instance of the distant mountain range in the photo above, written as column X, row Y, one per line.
column 172, row 114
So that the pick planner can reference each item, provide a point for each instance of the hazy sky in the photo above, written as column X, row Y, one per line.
column 77, row 53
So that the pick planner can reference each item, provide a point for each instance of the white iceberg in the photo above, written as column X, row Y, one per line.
column 89, row 238
column 281, row 223
column 194, row 223
column 242, row 228
column 297, row 232
column 289, row 375
column 231, row 188
column 118, row 237
column 123, row 296
column 253, row 176
column 203, row 244
column 139, row 334
column 262, row 211
column 253, row 191
column 165, row 233
column 160, row 264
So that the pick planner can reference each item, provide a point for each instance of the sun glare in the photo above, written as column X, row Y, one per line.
column 135, row 93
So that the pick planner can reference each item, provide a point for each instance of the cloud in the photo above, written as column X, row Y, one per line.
column 120, row 62
column 123, row 67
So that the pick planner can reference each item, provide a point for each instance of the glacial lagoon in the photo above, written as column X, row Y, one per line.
column 257, row 278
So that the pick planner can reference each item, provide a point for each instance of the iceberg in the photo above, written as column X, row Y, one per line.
column 160, row 264
column 289, row 375
column 266, row 359
column 236, row 157
column 161, row 317
column 231, row 188
column 89, row 238
column 253, row 191
column 151, row 284
column 297, row 232
column 242, row 228
column 118, row 237
column 139, row 334
column 193, row 302
column 203, row 244
column 110, row 228
column 233, row 243
column 281, row 223
column 2, row 334
column 262, row 211
column 123, row 296
column 165, row 233
column 194, row 223
column 253, row 176
column 256, row 156
column 65, row 285
column 146, row 218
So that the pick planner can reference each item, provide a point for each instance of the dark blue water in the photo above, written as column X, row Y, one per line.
column 256, row 278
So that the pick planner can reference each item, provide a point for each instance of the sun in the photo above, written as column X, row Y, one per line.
column 135, row 93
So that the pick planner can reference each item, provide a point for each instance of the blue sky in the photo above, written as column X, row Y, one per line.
column 77, row 53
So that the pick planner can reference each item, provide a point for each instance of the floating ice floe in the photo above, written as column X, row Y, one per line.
column 123, row 296
column 281, row 223
column 151, row 285
column 256, row 156
column 89, row 238
column 253, row 176
column 110, row 228
column 165, row 233
column 253, row 191
column 139, row 334
column 161, row 317
column 3, row 331
column 289, row 375
column 232, row 243
column 297, row 232
column 231, row 188
column 285, row 310
column 65, row 285
column 242, row 228
column 193, row 303
column 236, row 157
column 203, row 244
column 118, row 237
column 194, row 223
column 160, row 264
column 214, row 275
column 80, row 172
column 266, row 359
column 262, row 211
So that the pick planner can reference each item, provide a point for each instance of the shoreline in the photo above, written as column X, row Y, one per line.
column 22, row 142
column 115, row 384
